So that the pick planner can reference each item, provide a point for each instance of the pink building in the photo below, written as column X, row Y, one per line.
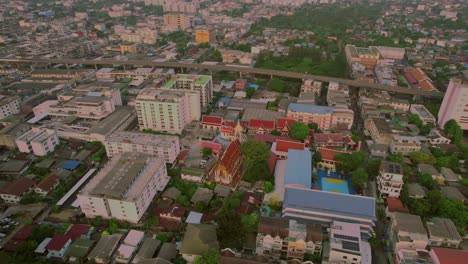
column 308, row 113
column 454, row 104
column 124, row 188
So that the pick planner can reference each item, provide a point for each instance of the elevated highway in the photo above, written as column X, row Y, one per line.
column 221, row 67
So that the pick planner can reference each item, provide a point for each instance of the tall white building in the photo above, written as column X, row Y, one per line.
column 346, row 246
column 454, row 105
column 162, row 146
column 9, row 105
column 390, row 179
column 167, row 110
column 124, row 188
column 38, row 141
column 201, row 83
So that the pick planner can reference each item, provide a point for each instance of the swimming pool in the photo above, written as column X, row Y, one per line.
column 335, row 185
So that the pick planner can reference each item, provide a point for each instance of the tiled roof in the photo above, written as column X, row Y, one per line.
column 231, row 155
column 174, row 210
column 183, row 155
column 327, row 137
column 76, row 231
column 58, row 242
column 18, row 187
column 450, row 256
column 282, row 122
column 23, row 233
column 216, row 147
column 212, row 120
column 395, row 205
column 271, row 138
column 285, row 145
column 299, row 168
column 329, row 154
column 256, row 123
column 48, row 183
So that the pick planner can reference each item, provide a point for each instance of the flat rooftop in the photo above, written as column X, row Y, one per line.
column 141, row 138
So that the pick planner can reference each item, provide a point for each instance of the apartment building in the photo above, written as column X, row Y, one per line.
column 204, row 36
column 379, row 130
column 128, row 48
column 306, row 113
column 9, row 105
column 404, row 144
column 346, row 246
column 124, row 188
column 407, row 232
column 424, row 114
column 328, row 207
column 175, row 21
column 60, row 73
column 201, row 83
column 342, row 118
column 15, row 190
column 390, row 179
column 162, row 146
column 38, row 141
column 181, row 6
column 369, row 57
column 287, row 239
column 454, row 104
column 10, row 133
column 167, row 110
column 311, row 86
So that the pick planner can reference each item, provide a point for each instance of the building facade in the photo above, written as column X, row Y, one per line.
column 346, row 246
column 454, row 106
column 38, row 141
column 201, row 83
column 124, row 188
column 321, row 115
column 9, row 105
column 404, row 144
column 162, row 146
column 167, row 110
column 390, row 179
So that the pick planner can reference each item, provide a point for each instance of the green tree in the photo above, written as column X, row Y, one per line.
column 255, row 152
column 207, row 152
column 359, row 178
column 113, row 226
column 314, row 126
column 426, row 180
column 424, row 130
column 419, row 157
column 398, row 157
column 268, row 187
column 232, row 203
column 183, row 200
column 277, row 85
column 453, row 130
column 275, row 132
column 414, row 119
column 200, row 207
column 250, row 92
column 299, row 131
column 349, row 162
column 211, row 256
column 250, row 223
column 317, row 157
column 420, row 207
column 373, row 166
column 228, row 229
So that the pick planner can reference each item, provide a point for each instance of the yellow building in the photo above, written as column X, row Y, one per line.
column 128, row 47
column 204, row 36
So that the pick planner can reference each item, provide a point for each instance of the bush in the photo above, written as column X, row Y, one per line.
column 268, row 187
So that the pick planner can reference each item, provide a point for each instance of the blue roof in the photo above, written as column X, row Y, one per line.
column 253, row 85
column 330, row 202
column 299, row 168
column 310, row 108
column 224, row 100
column 70, row 164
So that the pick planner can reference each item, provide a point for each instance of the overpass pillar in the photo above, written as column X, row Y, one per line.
column 95, row 67
column 181, row 70
column 240, row 75
column 68, row 67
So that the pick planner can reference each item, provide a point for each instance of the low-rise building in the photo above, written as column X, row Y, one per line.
column 233, row 56
column 104, row 249
column 424, row 114
column 38, row 141
column 129, row 246
column 9, row 105
column 404, row 144
column 229, row 170
column 407, row 232
column 257, row 126
column 311, row 86
column 390, row 179
column 443, row 233
column 288, row 239
column 124, row 188
column 198, row 239
column 48, row 184
column 346, row 245
column 321, row 115
column 379, row 130
column 334, row 141
column 162, row 146
column 14, row 191
column 58, row 246
column 10, row 133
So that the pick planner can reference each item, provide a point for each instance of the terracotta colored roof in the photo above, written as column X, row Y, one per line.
column 23, row 233
column 450, row 256
column 349, row 140
column 18, row 187
column 48, row 183
column 76, row 231
column 271, row 138
column 212, row 120
column 327, row 137
column 228, row 126
column 285, row 145
column 410, row 78
column 329, row 154
column 12, row 245
column 266, row 124
column 58, row 242
column 216, row 147
column 282, row 122
column 419, row 75
column 207, row 218
column 395, row 205
column 426, row 85
column 231, row 155
column 183, row 154
column 169, row 224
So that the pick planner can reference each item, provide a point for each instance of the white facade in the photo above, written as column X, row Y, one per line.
column 38, row 141
column 390, row 179
column 454, row 104
column 167, row 110
column 201, row 83
column 346, row 246
column 404, row 144
column 9, row 105
column 124, row 188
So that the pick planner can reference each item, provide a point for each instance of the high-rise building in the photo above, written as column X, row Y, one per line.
column 454, row 105
column 175, row 21
column 201, row 83
column 124, row 188
column 167, row 110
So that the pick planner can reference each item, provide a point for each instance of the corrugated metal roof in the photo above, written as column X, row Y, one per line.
column 299, row 168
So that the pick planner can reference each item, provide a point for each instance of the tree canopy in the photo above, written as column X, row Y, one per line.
column 419, row 157
column 211, row 256
column 359, row 178
column 255, row 152
column 349, row 162
column 299, row 131
column 453, row 130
